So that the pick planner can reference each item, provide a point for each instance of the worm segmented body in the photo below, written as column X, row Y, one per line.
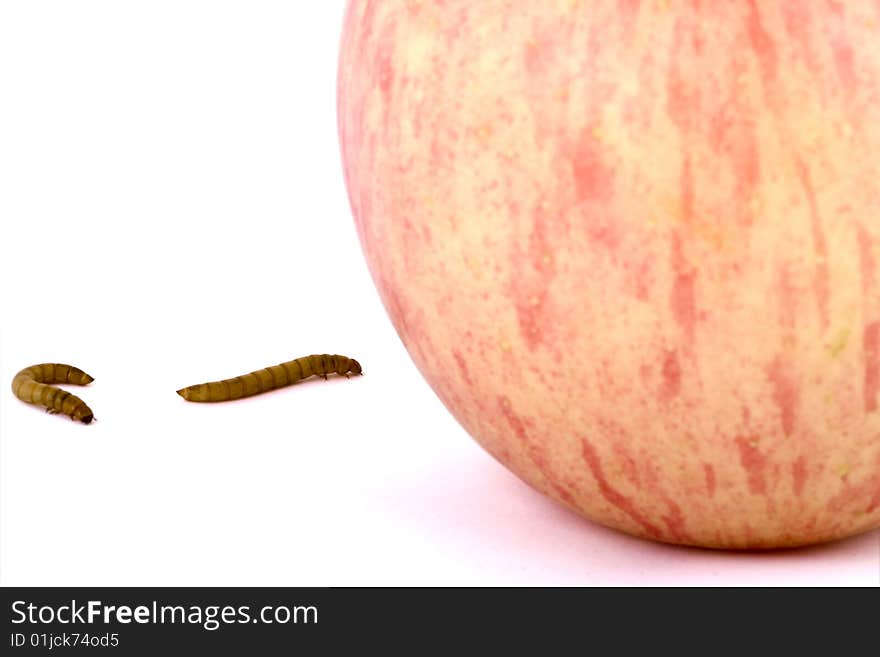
column 270, row 378
column 34, row 386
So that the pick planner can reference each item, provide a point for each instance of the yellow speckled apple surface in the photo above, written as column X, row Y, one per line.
column 635, row 248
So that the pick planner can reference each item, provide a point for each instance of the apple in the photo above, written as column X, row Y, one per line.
column 634, row 247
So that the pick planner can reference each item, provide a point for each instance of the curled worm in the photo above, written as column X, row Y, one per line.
column 270, row 378
column 34, row 386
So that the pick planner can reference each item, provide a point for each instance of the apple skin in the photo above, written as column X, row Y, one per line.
column 634, row 247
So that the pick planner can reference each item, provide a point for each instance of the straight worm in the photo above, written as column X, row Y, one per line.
column 270, row 378
column 34, row 386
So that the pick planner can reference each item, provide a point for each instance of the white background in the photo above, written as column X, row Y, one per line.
column 173, row 211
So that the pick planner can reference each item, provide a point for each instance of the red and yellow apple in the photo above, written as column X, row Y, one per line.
column 634, row 246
